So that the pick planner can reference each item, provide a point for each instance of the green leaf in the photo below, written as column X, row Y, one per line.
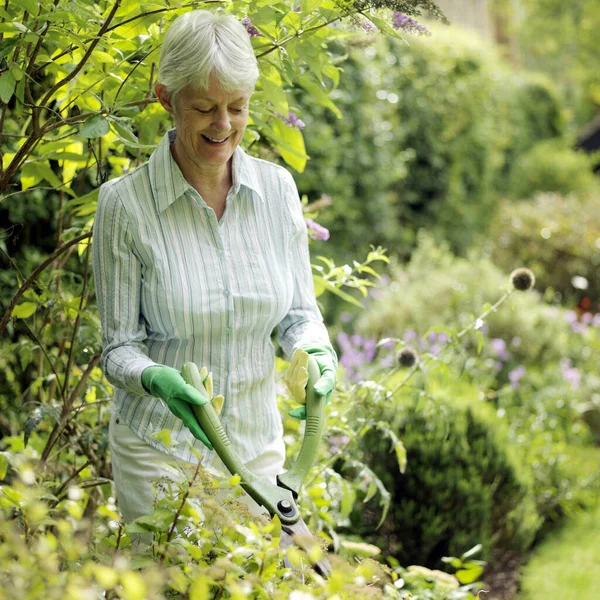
column 7, row 46
column 474, row 550
column 24, row 310
column 348, row 499
column 343, row 295
column 3, row 466
column 7, row 86
column 31, row 6
column 290, row 143
column 95, row 127
column 471, row 575
column 400, row 455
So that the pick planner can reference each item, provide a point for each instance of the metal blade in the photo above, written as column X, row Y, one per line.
column 299, row 528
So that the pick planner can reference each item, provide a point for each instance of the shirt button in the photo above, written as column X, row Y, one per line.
column 227, row 330
column 220, row 252
column 225, row 293
column 226, row 374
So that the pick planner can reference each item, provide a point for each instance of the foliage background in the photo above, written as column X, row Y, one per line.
column 441, row 135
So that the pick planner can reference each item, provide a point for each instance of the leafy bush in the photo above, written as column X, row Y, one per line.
column 557, row 237
column 552, row 166
column 429, row 134
column 436, row 288
column 463, row 483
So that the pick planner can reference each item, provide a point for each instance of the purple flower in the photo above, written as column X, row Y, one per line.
column 516, row 375
column 252, row 31
column 326, row 199
column 596, row 320
column 570, row 373
column 318, row 232
column 409, row 334
column 356, row 353
column 337, row 442
column 408, row 25
column 368, row 26
column 293, row 120
column 499, row 347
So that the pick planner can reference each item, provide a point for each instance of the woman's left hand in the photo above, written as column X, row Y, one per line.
column 324, row 386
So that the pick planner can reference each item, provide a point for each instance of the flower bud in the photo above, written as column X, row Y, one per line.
column 522, row 279
column 406, row 357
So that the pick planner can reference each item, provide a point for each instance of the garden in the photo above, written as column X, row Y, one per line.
column 454, row 234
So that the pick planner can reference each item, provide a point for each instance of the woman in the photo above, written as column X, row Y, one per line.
column 198, row 255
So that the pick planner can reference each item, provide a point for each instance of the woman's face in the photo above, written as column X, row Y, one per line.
column 210, row 123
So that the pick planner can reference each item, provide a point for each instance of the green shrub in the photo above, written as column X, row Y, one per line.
column 557, row 237
column 437, row 288
column 463, row 484
column 552, row 166
column 429, row 133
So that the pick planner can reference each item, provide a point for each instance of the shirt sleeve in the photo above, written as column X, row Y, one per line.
column 117, row 275
column 303, row 324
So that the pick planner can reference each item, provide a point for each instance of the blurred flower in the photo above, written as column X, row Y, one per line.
column 318, row 232
column 252, row 31
column 516, row 375
column 408, row 25
column 292, row 120
column 499, row 347
column 596, row 320
column 368, row 26
column 326, row 199
column 345, row 317
column 356, row 352
column 573, row 320
column 337, row 442
column 409, row 334
column 570, row 373
column 522, row 279
column 406, row 357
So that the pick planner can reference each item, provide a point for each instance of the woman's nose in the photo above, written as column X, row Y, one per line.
column 221, row 120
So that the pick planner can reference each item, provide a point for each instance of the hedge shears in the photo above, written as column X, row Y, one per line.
column 277, row 499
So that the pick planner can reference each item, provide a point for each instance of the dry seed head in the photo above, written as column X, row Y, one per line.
column 406, row 357
column 522, row 279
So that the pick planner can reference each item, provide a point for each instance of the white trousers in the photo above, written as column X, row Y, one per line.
column 136, row 464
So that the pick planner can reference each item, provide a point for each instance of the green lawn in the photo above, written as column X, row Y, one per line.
column 566, row 565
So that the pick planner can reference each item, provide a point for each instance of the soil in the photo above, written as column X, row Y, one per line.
column 501, row 579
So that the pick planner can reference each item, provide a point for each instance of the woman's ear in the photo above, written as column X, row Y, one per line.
column 163, row 97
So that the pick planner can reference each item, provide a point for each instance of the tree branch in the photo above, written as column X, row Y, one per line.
column 29, row 281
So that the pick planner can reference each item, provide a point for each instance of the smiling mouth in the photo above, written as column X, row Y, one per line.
column 215, row 141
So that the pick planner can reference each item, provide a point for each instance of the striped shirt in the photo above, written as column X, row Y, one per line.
column 174, row 284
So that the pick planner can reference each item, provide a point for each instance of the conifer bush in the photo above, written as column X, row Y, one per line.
column 463, row 485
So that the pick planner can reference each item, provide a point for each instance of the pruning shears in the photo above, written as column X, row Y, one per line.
column 277, row 499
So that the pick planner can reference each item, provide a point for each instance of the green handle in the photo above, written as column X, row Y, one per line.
column 315, row 424
column 277, row 500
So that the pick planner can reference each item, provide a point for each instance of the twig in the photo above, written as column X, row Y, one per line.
column 29, row 281
column 183, row 501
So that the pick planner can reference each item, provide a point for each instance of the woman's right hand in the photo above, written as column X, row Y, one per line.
column 167, row 383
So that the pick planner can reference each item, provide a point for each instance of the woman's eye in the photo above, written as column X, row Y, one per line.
column 204, row 112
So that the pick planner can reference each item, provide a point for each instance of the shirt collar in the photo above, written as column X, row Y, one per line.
column 167, row 180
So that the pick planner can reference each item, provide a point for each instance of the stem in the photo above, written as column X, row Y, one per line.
column 78, row 318
column 64, row 485
column 174, row 523
column 452, row 341
column 29, row 281
column 67, row 406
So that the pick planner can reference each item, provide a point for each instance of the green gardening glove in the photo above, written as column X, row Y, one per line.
column 327, row 361
column 167, row 383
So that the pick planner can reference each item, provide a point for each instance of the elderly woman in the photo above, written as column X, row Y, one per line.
column 198, row 255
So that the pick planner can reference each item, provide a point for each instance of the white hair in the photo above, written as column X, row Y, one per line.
column 201, row 43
